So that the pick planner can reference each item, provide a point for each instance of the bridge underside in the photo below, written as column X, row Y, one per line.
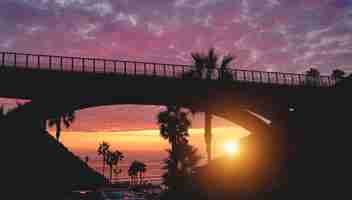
column 290, row 133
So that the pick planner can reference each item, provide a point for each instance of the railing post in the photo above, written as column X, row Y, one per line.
column 285, row 81
column 124, row 67
column 38, row 61
column 50, row 62
column 83, row 65
column 61, row 64
column 236, row 78
column 154, row 69
column 183, row 70
column 72, row 64
column 104, row 66
column 277, row 77
column 26, row 60
column 164, row 66
column 15, row 60
column 115, row 66
column 94, row 65
column 269, row 78
column 173, row 71
column 252, row 78
column 144, row 69
column 135, row 68
column 3, row 59
column 244, row 76
column 261, row 77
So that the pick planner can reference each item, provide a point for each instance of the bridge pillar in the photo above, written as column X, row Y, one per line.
column 208, row 134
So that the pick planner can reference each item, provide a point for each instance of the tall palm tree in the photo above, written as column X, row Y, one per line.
column 208, row 65
column 178, row 175
column 67, row 119
column 174, row 124
column 103, row 151
column 112, row 160
column 142, row 168
column 338, row 75
column 133, row 172
column 313, row 77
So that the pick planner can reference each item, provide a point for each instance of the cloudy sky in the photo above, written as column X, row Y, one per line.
column 274, row 35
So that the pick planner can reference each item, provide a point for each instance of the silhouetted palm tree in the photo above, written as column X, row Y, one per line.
column 208, row 65
column 178, row 175
column 133, row 172
column 142, row 168
column 66, row 119
column 103, row 151
column 112, row 160
column 174, row 125
column 338, row 75
column 313, row 77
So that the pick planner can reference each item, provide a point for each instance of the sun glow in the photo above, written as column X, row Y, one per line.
column 231, row 148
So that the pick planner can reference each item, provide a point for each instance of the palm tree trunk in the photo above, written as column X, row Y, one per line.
column 207, row 131
column 110, row 174
column 103, row 165
column 58, row 129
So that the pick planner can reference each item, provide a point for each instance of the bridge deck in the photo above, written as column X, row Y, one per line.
column 134, row 68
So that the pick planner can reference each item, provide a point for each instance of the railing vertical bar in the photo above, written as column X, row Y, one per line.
column 104, row 66
column 261, row 77
column 269, row 78
column 244, row 76
column 61, row 64
column 38, row 61
column 27, row 60
column 164, row 66
column 277, row 77
column 135, row 68
column 83, row 65
column 125, row 67
column 72, row 64
column 115, row 66
column 3, row 59
column 94, row 65
column 50, row 62
column 154, row 69
column 15, row 60
column 285, row 81
column 144, row 69
column 173, row 71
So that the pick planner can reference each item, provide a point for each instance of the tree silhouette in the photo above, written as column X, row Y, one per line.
column 133, row 172
column 174, row 125
column 137, row 170
column 313, row 77
column 177, row 176
column 338, row 75
column 112, row 160
column 208, row 65
column 67, row 119
column 103, row 151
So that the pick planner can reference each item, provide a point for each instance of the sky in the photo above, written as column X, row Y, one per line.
column 270, row 35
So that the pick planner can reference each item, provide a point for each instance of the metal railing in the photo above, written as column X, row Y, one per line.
column 134, row 68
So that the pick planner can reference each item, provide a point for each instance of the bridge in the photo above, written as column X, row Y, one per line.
column 297, row 105
column 13, row 60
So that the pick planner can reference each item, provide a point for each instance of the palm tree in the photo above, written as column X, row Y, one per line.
column 103, row 151
column 174, row 125
column 112, row 160
column 67, row 119
column 178, row 175
column 338, row 75
column 313, row 77
column 142, row 168
column 208, row 65
column 133, row 172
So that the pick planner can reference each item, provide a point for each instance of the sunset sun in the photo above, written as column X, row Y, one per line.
column 231, row 148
